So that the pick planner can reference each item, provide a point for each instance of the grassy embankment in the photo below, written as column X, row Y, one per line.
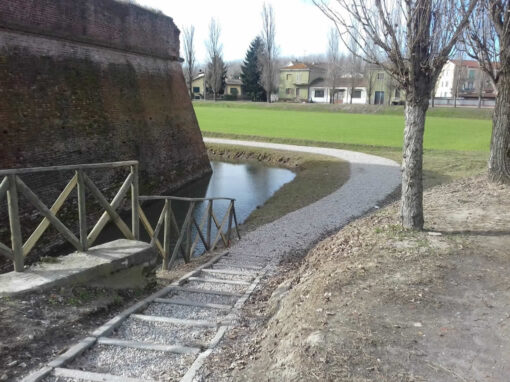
column 455, row 147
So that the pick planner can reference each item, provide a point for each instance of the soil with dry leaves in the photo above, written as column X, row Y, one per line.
column 377, row 303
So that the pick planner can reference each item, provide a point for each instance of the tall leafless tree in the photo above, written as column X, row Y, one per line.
column 269, row 52
column 333, row 62
column 481, row 87
column 189, row 55
column 216, row 67
column 391, row 86
column 415, row 38
column 460, row 74
column 370, row 75
column 354, row 66
column 489, row 39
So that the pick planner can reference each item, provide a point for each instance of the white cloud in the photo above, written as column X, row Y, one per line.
column 300, row 27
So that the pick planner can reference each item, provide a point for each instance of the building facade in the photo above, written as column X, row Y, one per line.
column 233, row 87
column 346, row 91
column 294, row 80
column 198, row 86
column 463, row 83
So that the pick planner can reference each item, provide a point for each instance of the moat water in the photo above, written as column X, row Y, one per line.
column 250, row 184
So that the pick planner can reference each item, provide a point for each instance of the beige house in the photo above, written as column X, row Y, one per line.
column 294, row 80
column 233, row 87
column 198, row 86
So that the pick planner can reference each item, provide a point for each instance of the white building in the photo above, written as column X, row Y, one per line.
column 463, row 83
column 320, row 92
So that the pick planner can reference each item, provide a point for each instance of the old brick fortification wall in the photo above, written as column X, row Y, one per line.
column 87, row 81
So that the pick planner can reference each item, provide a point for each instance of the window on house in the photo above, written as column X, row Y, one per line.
column 196, row 89
column 470, row 85
column 471, row 74
column 297, row 92
column 356, row 94
column 288, row 91
column 234, row 91
column 289, row 77
column 319, row 94
column 380, row 76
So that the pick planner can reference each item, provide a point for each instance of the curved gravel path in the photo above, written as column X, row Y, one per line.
column 372, row 179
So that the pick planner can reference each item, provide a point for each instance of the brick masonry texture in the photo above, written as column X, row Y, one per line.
column 87, row 81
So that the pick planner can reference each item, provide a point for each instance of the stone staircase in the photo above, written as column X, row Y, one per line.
column 167, row 336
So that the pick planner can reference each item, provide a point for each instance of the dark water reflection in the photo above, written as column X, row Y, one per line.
column 250, row 184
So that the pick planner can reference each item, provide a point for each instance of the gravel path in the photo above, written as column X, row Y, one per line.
column 372, row 179
column 216, row 291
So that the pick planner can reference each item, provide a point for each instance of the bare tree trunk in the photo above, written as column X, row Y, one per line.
column 499, row 160
column 412, row 164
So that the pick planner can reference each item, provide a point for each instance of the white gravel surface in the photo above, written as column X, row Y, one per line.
column 162, row 333
column 216, row 286
column 203, row 298
column 155, row 365
column 222, row 276
column 182, row 311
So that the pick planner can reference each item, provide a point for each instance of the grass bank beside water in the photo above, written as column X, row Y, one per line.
column 440, row 166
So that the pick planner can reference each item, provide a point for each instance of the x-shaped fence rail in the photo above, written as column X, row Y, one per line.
column 12, row 185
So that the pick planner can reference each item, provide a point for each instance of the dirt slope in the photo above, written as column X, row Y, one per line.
column 375, row 303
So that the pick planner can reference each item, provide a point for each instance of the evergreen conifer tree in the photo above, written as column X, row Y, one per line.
column 251, row 71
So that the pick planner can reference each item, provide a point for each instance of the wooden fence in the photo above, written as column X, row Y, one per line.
column 12, row 185
column 186, row 243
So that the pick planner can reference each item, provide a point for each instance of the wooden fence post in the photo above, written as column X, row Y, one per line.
column 209, row 223
column 82, row 212
column 135, row 193
column 230, row 215
column 166, row 234
column 188, row 230
column 14, row 222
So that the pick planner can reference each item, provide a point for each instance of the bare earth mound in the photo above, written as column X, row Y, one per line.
column 375, row 303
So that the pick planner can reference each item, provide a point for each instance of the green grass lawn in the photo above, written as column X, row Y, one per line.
column 456, row 140
column 309, row 123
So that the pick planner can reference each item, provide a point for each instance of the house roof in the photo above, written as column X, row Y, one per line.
column 233, row 81
column 296, row 66
column 341, row 83
column 198, row 76
column 468, row 63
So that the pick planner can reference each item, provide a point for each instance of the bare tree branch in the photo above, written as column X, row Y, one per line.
column 189, row 55
column 269, row 52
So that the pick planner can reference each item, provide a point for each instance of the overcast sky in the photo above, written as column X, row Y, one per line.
column 301, row 29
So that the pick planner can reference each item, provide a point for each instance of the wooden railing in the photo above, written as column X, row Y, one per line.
column 186, row 243
column 12, row 185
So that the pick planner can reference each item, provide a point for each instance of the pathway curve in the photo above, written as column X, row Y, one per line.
column 372, row 179
column 168, row 335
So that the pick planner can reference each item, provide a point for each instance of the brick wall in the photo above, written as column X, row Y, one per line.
column 93, row 81
column 100, row 22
